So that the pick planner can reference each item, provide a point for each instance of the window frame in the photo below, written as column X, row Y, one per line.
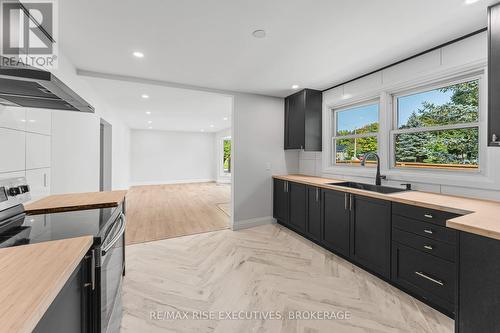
column 333, row 129
column 394, row 128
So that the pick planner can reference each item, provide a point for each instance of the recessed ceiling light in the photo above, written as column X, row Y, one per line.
column 148, row 112
column 225, row 118
column 150, row 127
column 145, row 96
column 150, row 122
column 470, row 2
column 212, row 126
column 138, row 54
column 346, row 96
column 295, row 86
column 259, row 33
column 202, row 130
column 23, row 120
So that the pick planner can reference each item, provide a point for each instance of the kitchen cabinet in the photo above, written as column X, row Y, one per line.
column 39, row 121
column 303, row 118
column 478, row 285
column 336, row 221
column 13, row 117
column 38, row 150
column 297, row 204
column 313, row 210
column 39, row 182
column 281, row 203
column 12, row 146
column 370, row 233
column 494, row 75
column 70, row 312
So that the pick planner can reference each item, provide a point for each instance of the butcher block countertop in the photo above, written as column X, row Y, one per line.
column 481, row 217
column 75, row 201
column 31, row 278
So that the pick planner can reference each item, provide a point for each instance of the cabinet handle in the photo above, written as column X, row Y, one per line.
column 350, row 202
column 428, row 231
column 428, row 247
column 92, row 270
column 284, row 187
column 44, row 180
column 317, row 194
column 429, row 216
column 427, row 277
column 345, row 201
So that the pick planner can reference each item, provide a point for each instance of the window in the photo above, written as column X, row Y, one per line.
column 226, row 155
column 355, row 133
column 438, row 128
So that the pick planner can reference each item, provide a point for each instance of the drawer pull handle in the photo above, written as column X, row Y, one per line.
column 428, row 231
column 428, row 247
column 441, row 283
column 429, row 216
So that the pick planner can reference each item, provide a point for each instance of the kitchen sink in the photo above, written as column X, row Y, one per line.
column 370, row 187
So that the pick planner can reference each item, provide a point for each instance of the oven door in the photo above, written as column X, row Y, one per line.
column 112, row 265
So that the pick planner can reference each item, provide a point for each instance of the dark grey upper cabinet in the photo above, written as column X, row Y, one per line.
column 303, row 120
column 494, row 75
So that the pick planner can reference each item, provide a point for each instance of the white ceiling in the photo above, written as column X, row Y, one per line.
column 172, row 109
column 208, row 42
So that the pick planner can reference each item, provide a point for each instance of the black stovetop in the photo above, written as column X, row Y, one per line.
column 29, row 229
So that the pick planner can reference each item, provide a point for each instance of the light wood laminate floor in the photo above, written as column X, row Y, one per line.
column 164, row 211
column 266, row 268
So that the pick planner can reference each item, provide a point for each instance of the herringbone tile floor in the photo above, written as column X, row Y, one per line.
column 267, row 268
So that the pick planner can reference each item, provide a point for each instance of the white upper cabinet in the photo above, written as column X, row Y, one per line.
column 13, row 117
column 12, row 145
column 37, row 151
column 39, row 121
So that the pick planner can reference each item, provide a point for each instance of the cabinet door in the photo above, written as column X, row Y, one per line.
column 336, row 221
column 13, row 148
column 314, row 213
column 280, row 209
column 296, row 121
column 371, row 234
column 37, row 151
column 13, row 117
column 39, row 121
column 68, row 312
column 297, row 217
column 39, row 182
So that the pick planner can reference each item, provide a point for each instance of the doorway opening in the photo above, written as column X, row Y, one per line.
column 105, row 170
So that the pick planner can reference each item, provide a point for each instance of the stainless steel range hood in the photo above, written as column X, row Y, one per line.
column 32, row 87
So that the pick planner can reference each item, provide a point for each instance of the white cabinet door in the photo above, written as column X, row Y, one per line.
column 15, row 174
column 39, row 121
column 37, row 151
column 39, row 182
column 13, row 117
column 12, row 146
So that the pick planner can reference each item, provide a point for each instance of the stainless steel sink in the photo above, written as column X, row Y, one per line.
column 370, row 187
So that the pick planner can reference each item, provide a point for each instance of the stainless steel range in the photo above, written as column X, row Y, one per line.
column 106, row 225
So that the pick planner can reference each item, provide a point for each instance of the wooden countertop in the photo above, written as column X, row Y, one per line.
column 481, row 217
column 75, row 201
column 31, row 278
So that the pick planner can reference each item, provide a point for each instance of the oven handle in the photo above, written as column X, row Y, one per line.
column 118, row 235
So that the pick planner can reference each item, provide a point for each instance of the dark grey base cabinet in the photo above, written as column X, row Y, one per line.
column 336, row 222
column 280, row 206
column 297, row 203
column 479, row 284
column 70, row 312
column 313, row 211
column 370, row 243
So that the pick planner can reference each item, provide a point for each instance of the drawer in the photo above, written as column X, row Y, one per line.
column 440, row 249
column 424, row 275
column 425, row 229
column 422, row 214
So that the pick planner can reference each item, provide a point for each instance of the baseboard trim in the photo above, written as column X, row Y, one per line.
column 168, row 182
column 250, row 223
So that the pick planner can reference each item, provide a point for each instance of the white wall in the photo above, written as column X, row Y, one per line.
column 467, row 55
column 220, row 176
column 258, row 153
column 163, row 157
column 75, row 139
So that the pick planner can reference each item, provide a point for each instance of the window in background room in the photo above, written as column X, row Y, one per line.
column 438, row 128
column 226, row 155
column 355, row 133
